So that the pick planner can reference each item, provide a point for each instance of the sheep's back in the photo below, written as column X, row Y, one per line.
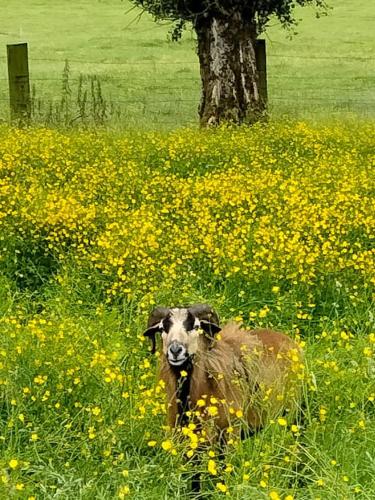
column 270, row 363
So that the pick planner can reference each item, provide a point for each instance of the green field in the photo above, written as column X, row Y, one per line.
column 325, row 71
column 272, row 225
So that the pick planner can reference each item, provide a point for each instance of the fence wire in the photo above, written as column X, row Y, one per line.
column 160, row 92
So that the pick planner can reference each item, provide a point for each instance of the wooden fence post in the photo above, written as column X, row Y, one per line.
column 261, row 61
column 19, row 84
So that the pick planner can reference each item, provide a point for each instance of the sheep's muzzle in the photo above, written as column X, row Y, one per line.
column 177, row 353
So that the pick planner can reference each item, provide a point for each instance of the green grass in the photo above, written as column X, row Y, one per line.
column 325, row 71
column 272, row 225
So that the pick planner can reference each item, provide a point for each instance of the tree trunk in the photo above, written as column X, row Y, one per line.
column 230, row 82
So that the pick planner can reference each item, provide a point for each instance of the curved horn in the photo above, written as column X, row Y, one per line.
column 205, row 312
column 157, row 315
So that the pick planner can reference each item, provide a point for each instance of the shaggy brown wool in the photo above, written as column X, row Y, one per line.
column 258, row 372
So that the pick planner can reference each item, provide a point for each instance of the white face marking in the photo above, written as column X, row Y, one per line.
column 178, row 343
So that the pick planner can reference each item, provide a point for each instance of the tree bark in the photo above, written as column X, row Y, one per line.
column 230, row 81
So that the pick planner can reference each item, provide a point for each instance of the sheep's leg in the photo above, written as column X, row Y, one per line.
column 196, row 483
column 301, row 419
column 195, row 462
column 303, row 415
column 248, row 432
column 301, row 467
column 196, row 477
column 222, row 445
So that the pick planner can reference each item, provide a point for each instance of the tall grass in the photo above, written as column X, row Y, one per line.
column 272, row 226
column 81, row 103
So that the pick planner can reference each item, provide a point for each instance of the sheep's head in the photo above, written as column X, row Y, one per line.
column 180, row 328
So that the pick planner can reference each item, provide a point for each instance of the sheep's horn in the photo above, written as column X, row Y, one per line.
column 205, row 312
column 157, row 315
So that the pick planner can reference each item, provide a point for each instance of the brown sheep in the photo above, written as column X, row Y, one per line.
column 255, row 375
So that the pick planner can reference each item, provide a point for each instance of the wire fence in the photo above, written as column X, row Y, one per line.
column 272, row 55
column 157, row 92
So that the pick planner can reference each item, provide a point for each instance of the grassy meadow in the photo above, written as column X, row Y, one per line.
column 325, row 71
column 271, row 225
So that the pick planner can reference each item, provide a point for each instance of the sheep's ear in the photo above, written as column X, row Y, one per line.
column 209, row 328
column 155, row 324
column 151, row 332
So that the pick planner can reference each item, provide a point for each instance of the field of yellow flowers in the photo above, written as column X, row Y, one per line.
column 272, row 225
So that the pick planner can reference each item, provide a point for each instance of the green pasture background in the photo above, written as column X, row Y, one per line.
column 326, row 70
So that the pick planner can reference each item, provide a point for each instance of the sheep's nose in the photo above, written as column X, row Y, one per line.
column 177, row 354
column 175, row 349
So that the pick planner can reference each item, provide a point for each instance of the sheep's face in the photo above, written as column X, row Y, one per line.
column 180, row 332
